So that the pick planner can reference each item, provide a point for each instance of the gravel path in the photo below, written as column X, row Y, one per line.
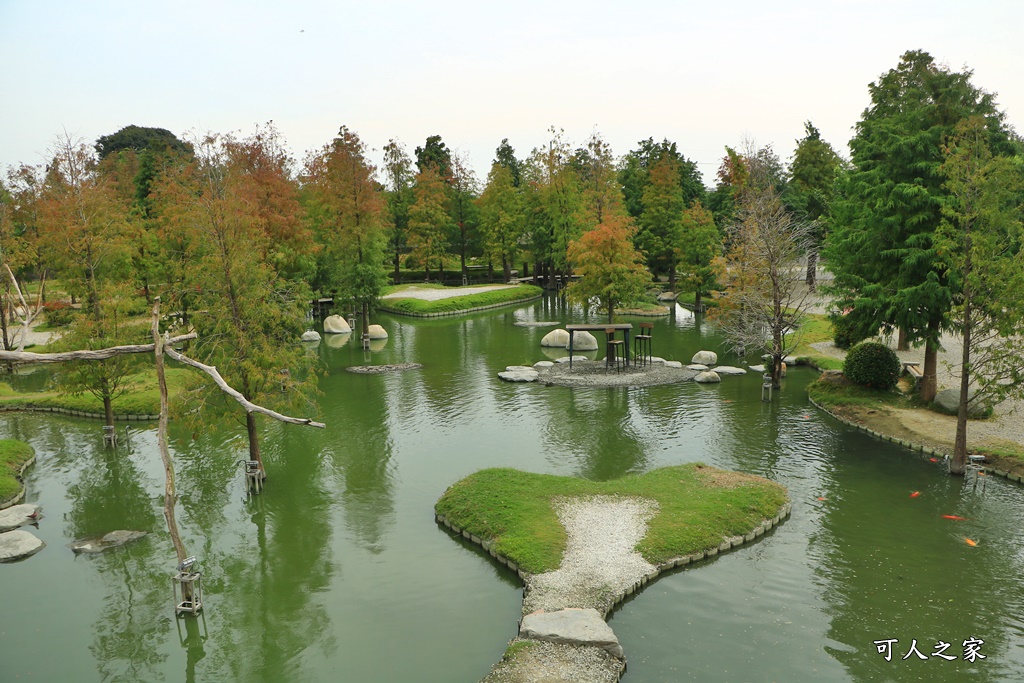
column 600, row 559
column 434, row 294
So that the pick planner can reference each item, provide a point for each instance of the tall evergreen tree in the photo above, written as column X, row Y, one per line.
column 501, row 217
column 811, row 189
column 881, row 249
column 398, row 191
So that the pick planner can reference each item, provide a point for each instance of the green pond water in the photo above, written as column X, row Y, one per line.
column 338, row 571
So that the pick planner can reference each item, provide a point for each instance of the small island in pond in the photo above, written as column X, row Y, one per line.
column 582, row 546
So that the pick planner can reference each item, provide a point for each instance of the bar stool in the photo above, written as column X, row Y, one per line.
column 614, row 355
column 642, row 343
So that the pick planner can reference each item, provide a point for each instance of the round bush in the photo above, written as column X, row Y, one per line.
column 871, row 364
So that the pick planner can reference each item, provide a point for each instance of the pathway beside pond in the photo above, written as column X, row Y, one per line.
column 437, row 294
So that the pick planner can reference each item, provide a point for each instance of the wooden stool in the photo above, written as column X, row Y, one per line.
column 613, row 350
column 642, row 343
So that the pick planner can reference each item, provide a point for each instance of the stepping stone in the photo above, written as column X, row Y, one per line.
column 729, row 370
column 112, row 540
column 519, row 373
column 543, row 364
column 575, row 359
column 698, row 367
column 16, row 545
column 571, row 626
column 656, row 359
column 19, row 515
column 673, row 364
column 757, row 368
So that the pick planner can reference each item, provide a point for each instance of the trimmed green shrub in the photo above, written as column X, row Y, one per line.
column 873, row 365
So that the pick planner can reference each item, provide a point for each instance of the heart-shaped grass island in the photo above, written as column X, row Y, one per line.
column 582, row 546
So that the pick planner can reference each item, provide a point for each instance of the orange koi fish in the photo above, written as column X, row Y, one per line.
column 822, row 498
column 934, row 459
column 915, row 494
column 973, row 544
column 956, row 517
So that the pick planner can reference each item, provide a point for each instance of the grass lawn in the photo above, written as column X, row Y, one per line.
column 698, row 506
column 13, row 454
column 816, row 328
column 142, row 396
column 455, row 304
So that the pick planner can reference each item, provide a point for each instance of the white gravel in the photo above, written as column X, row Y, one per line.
column 436, row 294
column 600, row 559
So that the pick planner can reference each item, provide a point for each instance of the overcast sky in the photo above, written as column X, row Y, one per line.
column 475, row 72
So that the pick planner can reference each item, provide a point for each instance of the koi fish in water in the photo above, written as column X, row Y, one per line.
column 915, row 494
column 956, row 517
column 973, row 544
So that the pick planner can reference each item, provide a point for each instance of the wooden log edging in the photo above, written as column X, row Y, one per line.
column 913, row 446
column 675, row 563
column 121, row 417
column 20, row 495
column 443, row 314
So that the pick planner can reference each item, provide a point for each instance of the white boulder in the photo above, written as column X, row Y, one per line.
column 377, row 332
column 310, row 336
column 336, row 324
column 583, row 341
column 708, row 377
column 705, row 358
column 556, row 338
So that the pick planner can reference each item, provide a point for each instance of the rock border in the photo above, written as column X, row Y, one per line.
column 445, row 314
column 913, row 446
column 20, row 495
column 726, row 545
column 121, row 417
column 382, row 369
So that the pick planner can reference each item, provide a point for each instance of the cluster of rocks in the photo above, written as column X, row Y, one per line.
column 338, row 331
column 703, row 367
column 380, row 369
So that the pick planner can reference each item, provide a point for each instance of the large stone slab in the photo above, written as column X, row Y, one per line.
column 519, row 373
column 698, row 367
column 114, row 539
column 336, row 324
column 729, row 370
column 18, row 544
column 705, row 358
column 571, row 626
column 19, row 515
column 948, row 400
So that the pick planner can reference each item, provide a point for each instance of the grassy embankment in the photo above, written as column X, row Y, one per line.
column 698, row 506
column 455, row 304
column 872, row 407
column 142, row 396
column 13, row 454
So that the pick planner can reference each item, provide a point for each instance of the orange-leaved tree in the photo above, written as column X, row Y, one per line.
column 609, row 267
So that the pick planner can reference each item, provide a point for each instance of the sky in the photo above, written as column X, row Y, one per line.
column 704, row 75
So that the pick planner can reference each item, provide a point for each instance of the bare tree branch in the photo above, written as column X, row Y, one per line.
column 249, row 406
column 97, row 354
